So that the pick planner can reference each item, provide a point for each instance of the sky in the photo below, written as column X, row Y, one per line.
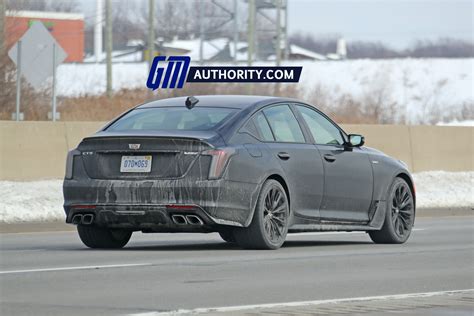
column 397, row 23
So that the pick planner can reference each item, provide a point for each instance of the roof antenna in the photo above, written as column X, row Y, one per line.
column 191, row 102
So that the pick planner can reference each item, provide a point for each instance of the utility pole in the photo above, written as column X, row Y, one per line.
column 251, row 33
column 108, row 45
column 287, row 47
column 201, row 32
column 98, row 31
column 2, row 27
column 151, row 31
column 2, row 42
column 236, row 31
column 278, row 42
column 278, row 38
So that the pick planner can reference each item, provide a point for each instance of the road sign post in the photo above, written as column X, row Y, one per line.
column 54, row 83
column 18, row 82
column 32, row 56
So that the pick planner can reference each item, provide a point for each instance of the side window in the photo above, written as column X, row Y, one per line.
column 262, row 126
column 251, row 129
column 324, row 132
column 284, row 125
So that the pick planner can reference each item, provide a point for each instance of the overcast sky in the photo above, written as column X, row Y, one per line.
column 396, row 22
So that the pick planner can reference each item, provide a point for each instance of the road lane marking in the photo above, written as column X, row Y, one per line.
column 109, row 266
column 40, row 232
column 338, row 233
column 240, row 308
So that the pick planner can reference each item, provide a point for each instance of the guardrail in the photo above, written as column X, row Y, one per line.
column 37, row 150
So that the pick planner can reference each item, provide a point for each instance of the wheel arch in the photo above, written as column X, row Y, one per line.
column 411, row 184
column 282, row 181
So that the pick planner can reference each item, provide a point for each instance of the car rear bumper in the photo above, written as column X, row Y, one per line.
column 150, row 204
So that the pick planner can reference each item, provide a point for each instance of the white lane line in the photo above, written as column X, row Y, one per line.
column 302, row 303
column 40, row 232
column 338, row 233
column 77, row 268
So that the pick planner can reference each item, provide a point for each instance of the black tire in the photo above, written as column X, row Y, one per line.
column 269, row 225
column 227, row 235
column 97, row 237
column 399, row 216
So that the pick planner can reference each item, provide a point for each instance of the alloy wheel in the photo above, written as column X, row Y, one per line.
column 402, row 209
column 275, row 215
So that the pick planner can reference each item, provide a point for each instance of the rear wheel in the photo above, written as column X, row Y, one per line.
column 98, row 237
column 399, row 217
column 270, row 220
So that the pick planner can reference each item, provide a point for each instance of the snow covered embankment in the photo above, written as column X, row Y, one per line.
column 42, row 200
column 441, row 189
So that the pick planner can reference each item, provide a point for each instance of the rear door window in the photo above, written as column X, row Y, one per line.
column 263, row 128
column 284, row 125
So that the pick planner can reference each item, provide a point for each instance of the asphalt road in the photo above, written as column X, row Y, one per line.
column 53, row 273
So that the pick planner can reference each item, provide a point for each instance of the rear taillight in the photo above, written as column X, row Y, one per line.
column 220, row 158
column 70, row 163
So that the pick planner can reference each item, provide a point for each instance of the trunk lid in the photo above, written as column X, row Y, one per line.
column 173, row 154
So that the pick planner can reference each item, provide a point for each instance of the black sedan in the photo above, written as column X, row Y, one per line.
column 251, row 168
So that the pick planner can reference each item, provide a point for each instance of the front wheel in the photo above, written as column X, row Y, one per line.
column 399, row 216
column 270, row 220
column 98, row 237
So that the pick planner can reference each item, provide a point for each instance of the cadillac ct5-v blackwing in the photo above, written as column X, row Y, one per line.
column 251, row 168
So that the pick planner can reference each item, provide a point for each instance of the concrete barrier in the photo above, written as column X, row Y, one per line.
column 37, row 150
column 394, row 140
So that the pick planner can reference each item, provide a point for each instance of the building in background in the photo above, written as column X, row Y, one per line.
column 66, row 28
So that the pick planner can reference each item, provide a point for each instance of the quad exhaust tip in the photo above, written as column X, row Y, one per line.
column 179, row 219
column 77, row 219
column 194, row 220
column 85, row 219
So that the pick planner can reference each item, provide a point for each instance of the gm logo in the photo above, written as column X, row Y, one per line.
column 175, row 75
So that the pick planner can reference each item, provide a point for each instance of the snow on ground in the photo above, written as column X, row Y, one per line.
column 42, row 200
column 457, row 123
column 417, row 86
column 31, row 201
column 441, row 189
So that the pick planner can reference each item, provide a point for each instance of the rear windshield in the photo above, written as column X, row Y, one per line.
column 172, row 118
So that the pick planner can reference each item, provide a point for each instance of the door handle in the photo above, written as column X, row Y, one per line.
column 329, row 158
column 283, row 155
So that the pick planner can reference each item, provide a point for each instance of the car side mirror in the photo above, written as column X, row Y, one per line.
column 356, row 140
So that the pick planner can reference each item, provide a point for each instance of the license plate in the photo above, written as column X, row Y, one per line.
column 135, row 164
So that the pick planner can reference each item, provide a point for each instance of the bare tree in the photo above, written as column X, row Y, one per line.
column 443, row 47
column 43, row 5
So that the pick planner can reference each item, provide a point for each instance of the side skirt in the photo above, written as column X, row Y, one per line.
column 375, row 223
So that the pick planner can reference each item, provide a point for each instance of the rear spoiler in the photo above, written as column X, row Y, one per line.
column 210, row 137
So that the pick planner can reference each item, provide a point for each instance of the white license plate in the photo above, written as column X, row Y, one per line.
column 135, row 164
